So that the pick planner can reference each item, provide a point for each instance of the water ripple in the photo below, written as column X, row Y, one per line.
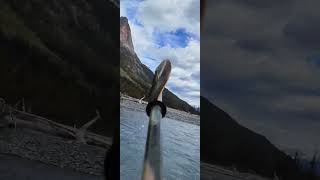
column 181, row 147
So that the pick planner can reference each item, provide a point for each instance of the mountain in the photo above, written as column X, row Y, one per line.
column 227, row 143
column 62, row 57
column 135, row 77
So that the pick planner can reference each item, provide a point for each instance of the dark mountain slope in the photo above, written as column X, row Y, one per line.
column 135, row 77
column 62, row 57
column 225, row 142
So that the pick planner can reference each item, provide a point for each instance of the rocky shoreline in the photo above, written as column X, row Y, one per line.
column 65, row 152
column 214, row 172
column 52, row 150
column 139, row 105
column 16, row 168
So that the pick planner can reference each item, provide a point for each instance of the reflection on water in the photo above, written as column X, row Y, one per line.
column 181, row 147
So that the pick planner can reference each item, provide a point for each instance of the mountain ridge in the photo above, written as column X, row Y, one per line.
column 225, row 142
column 136, row 78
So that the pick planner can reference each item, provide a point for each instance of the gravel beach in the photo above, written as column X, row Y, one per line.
column 17, row 168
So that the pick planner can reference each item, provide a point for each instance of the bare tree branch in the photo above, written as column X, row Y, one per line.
column 88, row 124
column 80, row 134
column 16, row 118
column 140, row 100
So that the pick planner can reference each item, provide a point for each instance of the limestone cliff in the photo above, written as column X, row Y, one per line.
column 135, row 77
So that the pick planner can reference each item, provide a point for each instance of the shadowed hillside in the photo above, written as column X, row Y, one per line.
column 227, row 143
column 62, row 58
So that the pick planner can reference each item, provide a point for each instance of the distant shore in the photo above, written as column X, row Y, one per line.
column 140, row 105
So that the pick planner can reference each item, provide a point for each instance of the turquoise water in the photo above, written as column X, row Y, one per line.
column 181, row 147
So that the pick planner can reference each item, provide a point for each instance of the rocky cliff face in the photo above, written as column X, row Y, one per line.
column 135, row 77
column 125, row 34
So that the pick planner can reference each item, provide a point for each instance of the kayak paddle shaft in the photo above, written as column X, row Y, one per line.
column 153, row 158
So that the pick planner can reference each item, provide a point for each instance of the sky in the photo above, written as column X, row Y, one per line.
column 260, row 62
column 168, row 29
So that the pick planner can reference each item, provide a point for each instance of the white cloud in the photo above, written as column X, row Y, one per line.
column 146, row 17
column 169, row 15
column 186, row 68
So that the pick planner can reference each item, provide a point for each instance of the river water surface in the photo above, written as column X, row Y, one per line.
column 181, row 147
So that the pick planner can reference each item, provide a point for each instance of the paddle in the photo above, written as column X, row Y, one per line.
column 156, row 110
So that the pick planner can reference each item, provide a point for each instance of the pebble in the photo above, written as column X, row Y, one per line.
column 52, row 150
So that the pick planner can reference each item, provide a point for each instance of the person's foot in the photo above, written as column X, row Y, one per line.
column 160, row 79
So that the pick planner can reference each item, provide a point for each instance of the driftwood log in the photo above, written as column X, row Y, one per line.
column 12, row 117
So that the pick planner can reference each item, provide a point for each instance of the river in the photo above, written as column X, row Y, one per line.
column 180, row 147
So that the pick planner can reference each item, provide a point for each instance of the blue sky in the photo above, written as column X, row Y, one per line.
column 168, row 29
